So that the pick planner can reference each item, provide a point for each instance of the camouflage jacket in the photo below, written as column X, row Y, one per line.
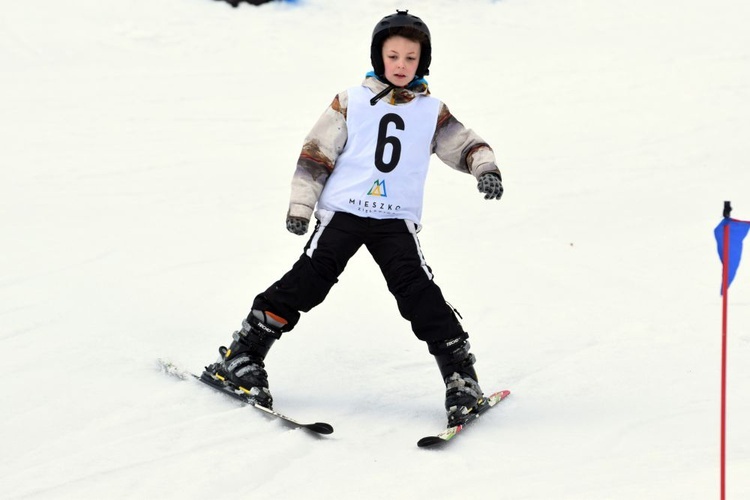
column 457, row 146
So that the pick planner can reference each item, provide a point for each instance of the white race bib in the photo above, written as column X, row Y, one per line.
column 382, row 170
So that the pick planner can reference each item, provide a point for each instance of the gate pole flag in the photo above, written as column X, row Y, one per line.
column 729, row 235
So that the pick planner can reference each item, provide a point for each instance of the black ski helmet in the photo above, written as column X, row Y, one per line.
column 401, row 19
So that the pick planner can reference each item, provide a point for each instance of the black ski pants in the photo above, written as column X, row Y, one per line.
column 393, row 244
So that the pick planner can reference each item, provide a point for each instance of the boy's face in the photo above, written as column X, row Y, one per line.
column 401, row 58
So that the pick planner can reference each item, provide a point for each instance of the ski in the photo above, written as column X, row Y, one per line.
column 172, row 369
column 451, row 432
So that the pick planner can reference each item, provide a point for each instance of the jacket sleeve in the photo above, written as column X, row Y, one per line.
column 321, row 148
column 460, row 147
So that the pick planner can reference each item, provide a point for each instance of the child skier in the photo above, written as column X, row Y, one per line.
column 364, row 166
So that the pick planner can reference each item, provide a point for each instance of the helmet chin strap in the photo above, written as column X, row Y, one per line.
column 382, row 94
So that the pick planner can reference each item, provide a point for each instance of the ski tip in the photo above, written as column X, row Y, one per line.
column 440, row 439
column 428, row 441
column 170, row 368
column 320, row 428
column 498, row 396
column 495, row 398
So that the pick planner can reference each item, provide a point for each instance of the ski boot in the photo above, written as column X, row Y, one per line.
column 241, row 366
column 462, row 394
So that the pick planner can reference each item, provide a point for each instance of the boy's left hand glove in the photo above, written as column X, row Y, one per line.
column 296, row 225
column 491, row 185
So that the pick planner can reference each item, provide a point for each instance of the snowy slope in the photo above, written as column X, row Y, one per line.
column 144, row 174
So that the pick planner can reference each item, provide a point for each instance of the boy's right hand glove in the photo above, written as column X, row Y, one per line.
column 491, row 185
column 296, row 225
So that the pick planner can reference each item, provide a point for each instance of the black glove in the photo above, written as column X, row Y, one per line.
column 491, row 185
column 296, row 225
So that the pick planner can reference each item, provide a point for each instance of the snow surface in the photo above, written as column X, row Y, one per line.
column 147, row 149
